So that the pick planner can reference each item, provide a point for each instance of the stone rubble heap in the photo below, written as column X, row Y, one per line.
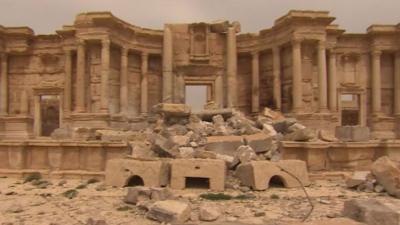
column 383, row 177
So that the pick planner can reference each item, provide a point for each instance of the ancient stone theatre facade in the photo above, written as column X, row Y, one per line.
column 104, row 72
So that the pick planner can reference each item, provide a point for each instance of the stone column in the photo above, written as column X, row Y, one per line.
column 231, row 67
column 397, row 84
column 24, row 107
column 4, row 85
column 124, row 81
column 67, row 81
column 255, row 83
column 322, row 77
column 332, row 81
column 37, row 119
column 276, row 64
column 167, row 65
column 219, row 91
column 144, row 83
column 297, row 90
column 376, row 82
column 105, row 75
column 80, row 94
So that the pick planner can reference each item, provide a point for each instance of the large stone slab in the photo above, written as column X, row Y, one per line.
column 212, row 169
column 387, row 174
column 258, row 174
column 371, row 211
column 352, row 133
column 170, row 211
column 225, row 145
column 152, row 173
column 336, row 221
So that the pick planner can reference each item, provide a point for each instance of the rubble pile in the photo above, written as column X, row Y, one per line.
column 383, row 177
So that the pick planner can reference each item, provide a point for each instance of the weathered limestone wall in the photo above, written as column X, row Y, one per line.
column 134, row 63
column 266, row 80
column 244, row 87
column 114, row 81
column 155, row 81
column 286, row 79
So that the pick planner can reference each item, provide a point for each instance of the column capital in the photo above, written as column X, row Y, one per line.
column 276, row 49
column 296, row 41
column 105, row 42
column 255, row 53
column 321, row 44
column 81, row 42
column 376, row 52
column 124, row 51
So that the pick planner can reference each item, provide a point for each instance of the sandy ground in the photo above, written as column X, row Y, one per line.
column 26, row 204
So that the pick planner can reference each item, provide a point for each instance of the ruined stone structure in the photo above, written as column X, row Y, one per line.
column 104, row 72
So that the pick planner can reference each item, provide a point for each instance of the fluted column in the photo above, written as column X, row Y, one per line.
column 297, row 91
column 67, row 81
column 124, row 81
column 4, row 85
column 332, row 81
column 105, row 74
column 397, row 84
column 322, row 77
column 255, row 83
column 231, row 67
column 276, row 64
column 144, row 83
column 376, row 82
column 167, row 65
column 80, row 77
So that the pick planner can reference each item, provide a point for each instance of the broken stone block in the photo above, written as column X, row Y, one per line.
column 129, row 172
column 370, row 211
column 115, row 135
column 225, row 145
column 271, row 114
column 326, row 136
column 186, row 152
column 61, row 134
column 140, row 150
column 136, row 194
column 352, row 133
column 218, row 120
column 305, row 134
column 180, row 140
column 358, row 177
column 260, row 142
column 209, row 212
column 169, row 211
column 269, row 130
column 244, row 154
column 207, row 114
column 296, row 127
column 211, row 171
column 282, row 126
column 160, row 194
column 202, row 154
column 172, row 110
column 164, row 147
column 219, row 26
column 387, row 174
column 83, row 134
column 259, row 174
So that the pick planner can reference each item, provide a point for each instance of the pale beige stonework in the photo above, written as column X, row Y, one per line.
column 214, row 170
column 111, row 72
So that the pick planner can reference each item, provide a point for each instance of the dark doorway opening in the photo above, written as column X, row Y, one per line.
column 197, row 182
column 276, row 182
column 134, row 181
column 350, row 117
column 50, row 113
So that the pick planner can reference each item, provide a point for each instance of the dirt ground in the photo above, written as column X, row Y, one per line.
column 27, row 204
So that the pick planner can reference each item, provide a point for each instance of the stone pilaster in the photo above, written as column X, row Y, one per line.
column 322, row 77
column 80, row 94
column 167, row 65
column 397, row 84
column 68, row 81
column 124, row 81
column 4, row 85
column 143, row 84
column 231, row 67
column 24, row 105
column 105, row 75
column 297, row 90
column 332, row 81
column 255, row 83
column 376, row 82
column 276, row 64
column 219, row 91
column 37, row 116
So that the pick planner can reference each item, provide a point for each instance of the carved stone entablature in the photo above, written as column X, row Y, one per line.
column 350, row 57
column 50, row 83
column 199, row 70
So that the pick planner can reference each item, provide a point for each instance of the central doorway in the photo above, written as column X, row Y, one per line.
column 196, row 96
